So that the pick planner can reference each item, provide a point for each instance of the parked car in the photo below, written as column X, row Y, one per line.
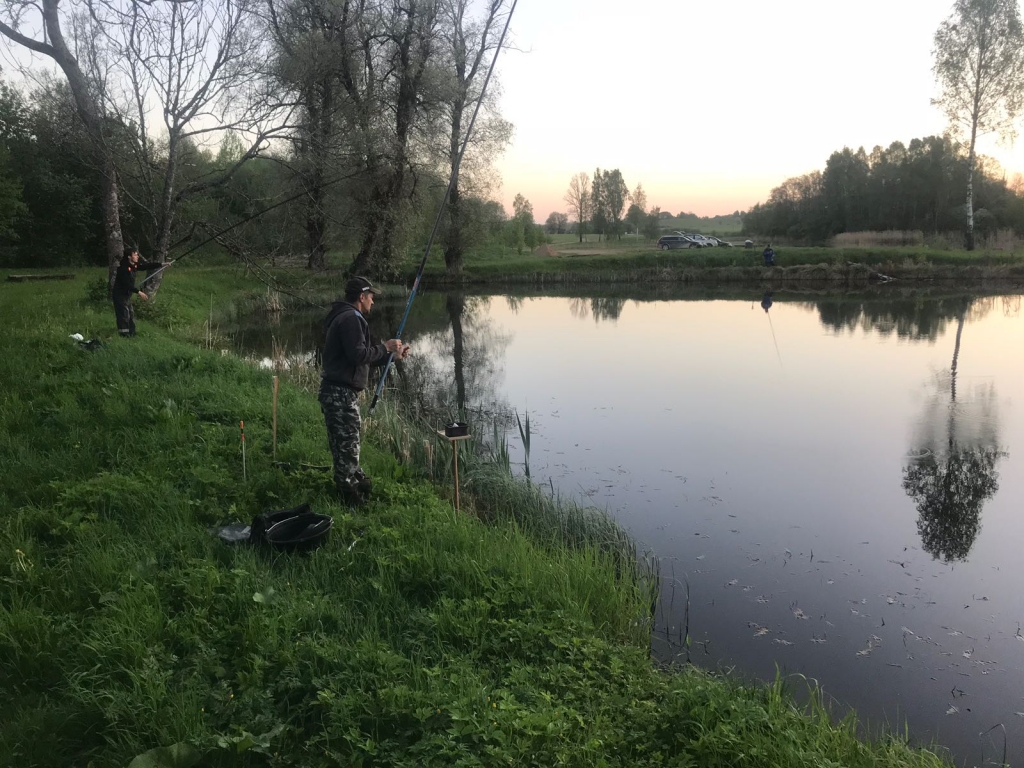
column 667, row 242
column 704, row 242
column 719, row 241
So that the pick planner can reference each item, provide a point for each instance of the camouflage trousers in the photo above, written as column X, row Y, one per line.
column 340, row 406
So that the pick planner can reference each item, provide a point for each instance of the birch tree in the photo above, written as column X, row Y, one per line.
column 979, row 66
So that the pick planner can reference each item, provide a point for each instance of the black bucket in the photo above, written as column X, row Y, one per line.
column 292, row 530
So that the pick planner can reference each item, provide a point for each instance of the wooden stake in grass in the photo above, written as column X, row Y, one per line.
column 241, row 426
column 276, row 384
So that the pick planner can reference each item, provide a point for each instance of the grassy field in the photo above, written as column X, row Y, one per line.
column 130, row 636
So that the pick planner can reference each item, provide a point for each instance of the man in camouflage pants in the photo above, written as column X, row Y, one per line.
column 348, row 355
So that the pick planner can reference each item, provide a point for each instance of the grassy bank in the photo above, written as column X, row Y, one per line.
column 595, row 263
column 416, row 637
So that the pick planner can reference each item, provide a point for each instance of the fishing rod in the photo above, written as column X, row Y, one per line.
column 440, row 210
column 246, row 220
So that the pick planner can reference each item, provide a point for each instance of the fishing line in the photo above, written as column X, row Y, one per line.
column 774, row 339
column 440, row 210
column 246, row 220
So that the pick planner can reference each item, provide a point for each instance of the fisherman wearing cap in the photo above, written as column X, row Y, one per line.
column 348, row 355
column 124, row 288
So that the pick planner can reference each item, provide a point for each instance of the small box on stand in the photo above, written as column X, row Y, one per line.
column 453, row 433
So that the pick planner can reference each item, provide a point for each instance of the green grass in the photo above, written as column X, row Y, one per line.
column 416, row 637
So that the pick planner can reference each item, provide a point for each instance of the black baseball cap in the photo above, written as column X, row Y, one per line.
column 360, row 285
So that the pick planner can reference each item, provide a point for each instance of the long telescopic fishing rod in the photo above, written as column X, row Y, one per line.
column 246, row 220
column 440, row 210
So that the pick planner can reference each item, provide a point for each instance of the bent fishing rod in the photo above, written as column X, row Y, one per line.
column 440, row 210
column 246, row 220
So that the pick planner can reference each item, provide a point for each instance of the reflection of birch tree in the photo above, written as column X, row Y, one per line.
column 954, row 471
column 911, row 317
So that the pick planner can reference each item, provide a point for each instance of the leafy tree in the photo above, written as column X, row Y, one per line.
column 652, row 224
column 639, row 198
column 599, row 204
column 635, row 216
column 843, row 187
column 556, row 224
column 522, row 208
column 979, row 65
column 11, row 206
column 616, row 193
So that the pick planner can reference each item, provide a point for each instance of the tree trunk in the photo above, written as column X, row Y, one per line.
column 89, row 111
column 320, row 105
column 969, row 235
column 111, row 208
column 453, row 251
column 167, row 206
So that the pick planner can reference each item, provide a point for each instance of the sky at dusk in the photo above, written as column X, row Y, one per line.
column 712, row 104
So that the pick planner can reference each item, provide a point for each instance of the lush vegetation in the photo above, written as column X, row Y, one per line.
column 415, row 637
column 920, row 186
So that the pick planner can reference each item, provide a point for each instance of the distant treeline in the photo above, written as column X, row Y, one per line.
column 921, row 186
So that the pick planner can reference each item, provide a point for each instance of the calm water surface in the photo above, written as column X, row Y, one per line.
column 837, row 480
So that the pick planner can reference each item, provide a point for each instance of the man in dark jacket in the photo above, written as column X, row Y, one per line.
column 124, row 287
column 769, row 256
column 348, row 355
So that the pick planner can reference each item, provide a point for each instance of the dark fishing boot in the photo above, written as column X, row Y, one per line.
column 364, row 485
column 351, row 495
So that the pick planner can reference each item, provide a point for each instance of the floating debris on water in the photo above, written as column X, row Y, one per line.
column 759, row 631
column 781, row 642
column 873, row 642
column 953, row 711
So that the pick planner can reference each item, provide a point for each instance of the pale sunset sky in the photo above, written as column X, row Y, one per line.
column 711, row 104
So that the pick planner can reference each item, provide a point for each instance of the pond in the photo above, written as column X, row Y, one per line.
column 832, row 481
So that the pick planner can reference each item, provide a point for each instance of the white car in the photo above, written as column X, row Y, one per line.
column 705, row 242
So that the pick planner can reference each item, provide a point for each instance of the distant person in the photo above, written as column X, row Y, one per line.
column 124, row 288
column 769, row 256
column 766, row 301
column 348, row 355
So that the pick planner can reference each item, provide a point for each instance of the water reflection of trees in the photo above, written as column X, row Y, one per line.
column 458, row 366
column 914, row 317
column 952, row 472
column 600, row 307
